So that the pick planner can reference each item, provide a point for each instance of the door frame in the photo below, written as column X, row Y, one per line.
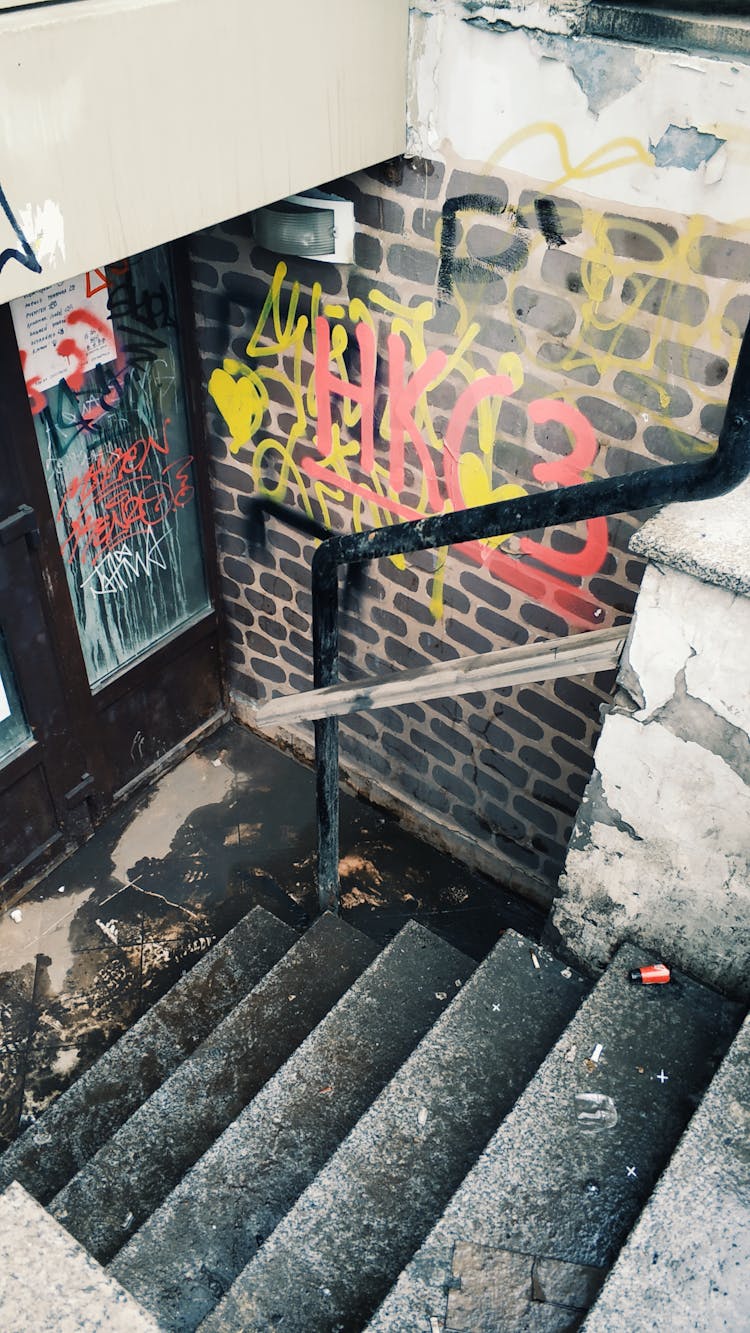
column 100, row 786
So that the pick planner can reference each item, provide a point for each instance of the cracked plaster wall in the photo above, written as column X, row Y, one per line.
column 481, row 74
column 660, row 852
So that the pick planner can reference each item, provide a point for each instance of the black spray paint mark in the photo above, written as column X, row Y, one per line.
column 472, row 268
column 549, row 221
column 25, row 256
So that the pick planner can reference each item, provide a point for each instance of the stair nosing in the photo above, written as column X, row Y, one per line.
column 70, row 1106
column 464, row 1212
column 278, row 1103
column 327, row 1181
column 89, row 1179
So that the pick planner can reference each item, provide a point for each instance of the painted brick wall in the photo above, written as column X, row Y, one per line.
column 523, row 339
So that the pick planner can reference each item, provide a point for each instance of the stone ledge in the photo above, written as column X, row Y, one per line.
column 668, row 27
column 49, row 1283
column 705, row 538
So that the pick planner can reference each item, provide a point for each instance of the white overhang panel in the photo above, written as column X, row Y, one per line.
column 126, row 123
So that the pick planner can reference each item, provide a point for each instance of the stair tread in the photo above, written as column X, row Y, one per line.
column 176, row 1266
column 546, row 1191
column 45, row 1157
column 332, row 1257
column 50, row 1284
column 701, row 1280
column 134, row 1171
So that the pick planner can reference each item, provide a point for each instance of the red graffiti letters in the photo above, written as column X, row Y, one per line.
column 362, row 393
column 128, row 492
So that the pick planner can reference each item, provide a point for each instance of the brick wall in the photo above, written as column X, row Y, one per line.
column 610, row 339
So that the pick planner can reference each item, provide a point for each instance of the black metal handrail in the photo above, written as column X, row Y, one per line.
column 257, row 508
column 649, row 487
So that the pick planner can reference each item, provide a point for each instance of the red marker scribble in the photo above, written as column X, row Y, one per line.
column 101, row 281
column 119, row 496
column 97, row 279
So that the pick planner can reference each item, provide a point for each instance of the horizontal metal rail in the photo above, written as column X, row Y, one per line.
column 579, row 654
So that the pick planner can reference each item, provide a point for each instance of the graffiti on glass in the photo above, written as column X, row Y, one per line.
column 121, row 496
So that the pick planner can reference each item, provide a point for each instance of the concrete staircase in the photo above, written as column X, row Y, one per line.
column 310, row 1134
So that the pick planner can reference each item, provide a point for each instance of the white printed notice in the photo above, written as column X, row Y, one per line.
column 4, row 705
column 64, row 331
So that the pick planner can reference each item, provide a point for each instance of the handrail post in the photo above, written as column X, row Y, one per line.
column 325, row 672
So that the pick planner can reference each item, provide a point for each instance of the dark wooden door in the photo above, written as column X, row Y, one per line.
column 110, row 652
column 40, row 761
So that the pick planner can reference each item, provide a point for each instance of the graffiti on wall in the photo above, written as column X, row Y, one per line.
column 22, row 253
column 344, row 450
column 601, row 311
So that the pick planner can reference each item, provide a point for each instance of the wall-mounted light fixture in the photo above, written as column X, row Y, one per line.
column 313, row 225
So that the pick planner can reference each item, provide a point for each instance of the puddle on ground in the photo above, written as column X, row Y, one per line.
column 198, row 781
column 44, row 928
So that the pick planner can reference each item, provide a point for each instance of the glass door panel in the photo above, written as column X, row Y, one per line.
column 14, row 729
column 104, row 378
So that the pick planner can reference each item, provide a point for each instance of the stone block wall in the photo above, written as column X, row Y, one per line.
column 661, row 848
column 491, row 338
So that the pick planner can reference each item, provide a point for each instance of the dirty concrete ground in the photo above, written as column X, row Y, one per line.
column 107, row 932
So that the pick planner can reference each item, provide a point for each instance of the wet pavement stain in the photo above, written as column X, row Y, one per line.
column 110, row 930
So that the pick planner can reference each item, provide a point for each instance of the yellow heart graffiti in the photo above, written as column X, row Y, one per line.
column 242, row 404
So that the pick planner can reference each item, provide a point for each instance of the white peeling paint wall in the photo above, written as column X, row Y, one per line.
column 477, row 91
column 660, row 853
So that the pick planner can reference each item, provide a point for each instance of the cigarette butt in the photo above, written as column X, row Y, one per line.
column 596, row 1054
column 655, row 974
column 535, row 960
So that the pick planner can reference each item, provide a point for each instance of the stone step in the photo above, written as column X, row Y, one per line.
column 49, row 1283
column 190, row 1250
column 67, row 1135
column 527, row 1240
column 333, row 1256
column 689, row 1254
column 134, row 1171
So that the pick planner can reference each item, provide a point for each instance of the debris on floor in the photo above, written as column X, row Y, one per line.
column 232, row 827
column 654, row 974
column 595, row 1111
